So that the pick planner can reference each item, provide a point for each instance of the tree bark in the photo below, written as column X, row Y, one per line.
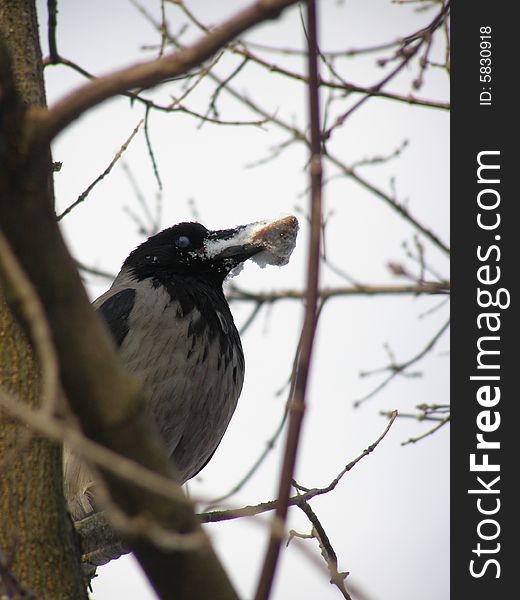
column 39, row 554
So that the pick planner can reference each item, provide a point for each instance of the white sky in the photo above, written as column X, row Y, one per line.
column 388, row 520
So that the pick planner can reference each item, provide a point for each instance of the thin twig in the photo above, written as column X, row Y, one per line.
column 390, row 200
column 200, row 77
column 431, row 431
column 213, row 103
column 346, row 86
column 411, row 52
column 206, row 119
column 397, row 368
column 150, row 149
column 427, row 287
column 413, row 416
column 94, row 271
column 249, row 511
column 377, row 160
column 248, row 322
column 52, row 21
column 152, row 226
column 164, row 38
column 327, row 551
column 329, row 53
column 100, row 177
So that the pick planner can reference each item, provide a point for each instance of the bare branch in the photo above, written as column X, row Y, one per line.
column 391, row 201
column 441, row 423
column 347, row 170
column 213, row 103
column 346, row 86
column 243, row 48
column 204, row 118
column 428, row 287
column 100, row 177
column 153, row 224
column 150, row 149
column 309, row 493
column 439, row 413
column 398, row 368
column 407, row 52
column 52, row 9
column 297, row 403
column 97, row 272
column 46, row 125
column 327, row 551
column 98, row 540
column 428, row 412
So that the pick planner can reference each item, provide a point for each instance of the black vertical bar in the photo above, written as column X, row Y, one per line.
column 485, row 331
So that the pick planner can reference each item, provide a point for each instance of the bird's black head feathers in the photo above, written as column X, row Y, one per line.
column 189, row 250
column 190, row 262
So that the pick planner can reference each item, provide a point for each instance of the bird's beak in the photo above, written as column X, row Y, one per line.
column 230, row 244
column 271, row 242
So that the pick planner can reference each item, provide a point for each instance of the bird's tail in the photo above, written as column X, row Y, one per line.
column 79, row 489
column 78, row 484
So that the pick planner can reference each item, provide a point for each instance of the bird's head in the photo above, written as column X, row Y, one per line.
column 191, row 250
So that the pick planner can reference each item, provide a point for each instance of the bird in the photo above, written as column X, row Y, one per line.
column 170, row 320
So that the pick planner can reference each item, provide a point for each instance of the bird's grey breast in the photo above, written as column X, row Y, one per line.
column 183, row 345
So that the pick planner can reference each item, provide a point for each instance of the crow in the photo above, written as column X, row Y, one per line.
column 167, row 313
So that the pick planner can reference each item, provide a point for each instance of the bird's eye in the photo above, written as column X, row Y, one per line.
column 183, row 241
column 152, row 258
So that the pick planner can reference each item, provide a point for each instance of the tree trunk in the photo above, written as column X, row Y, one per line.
column 38, row 548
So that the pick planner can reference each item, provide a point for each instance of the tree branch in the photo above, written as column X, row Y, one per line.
column 98, row 540
column 242, row 48
column 327, row 551
column 46, row 125
column 102, row 176
column 395, row 369
column 297, row 403
column 428, row 287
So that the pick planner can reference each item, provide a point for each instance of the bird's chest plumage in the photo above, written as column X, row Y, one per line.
column 186, row 350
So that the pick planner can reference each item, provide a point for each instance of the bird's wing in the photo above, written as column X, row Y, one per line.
column 199, row 469
column 192, row 385
column 115, row 311
column 152, row 345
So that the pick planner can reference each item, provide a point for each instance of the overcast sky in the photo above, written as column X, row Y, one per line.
column 388, row 519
